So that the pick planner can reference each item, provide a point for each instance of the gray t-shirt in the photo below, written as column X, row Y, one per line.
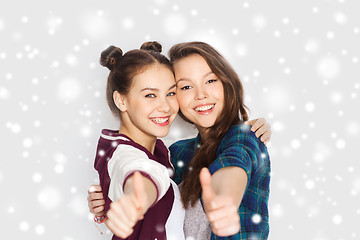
column 196, row 224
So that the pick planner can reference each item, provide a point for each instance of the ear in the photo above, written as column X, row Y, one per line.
column 119, row 101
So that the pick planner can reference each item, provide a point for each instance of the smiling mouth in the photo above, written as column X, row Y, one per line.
column 162, row 121
column 204, row 108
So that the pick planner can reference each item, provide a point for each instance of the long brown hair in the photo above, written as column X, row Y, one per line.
column 123, row 68
column 234, row 112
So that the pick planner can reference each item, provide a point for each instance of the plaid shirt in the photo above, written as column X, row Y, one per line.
column 239, row 147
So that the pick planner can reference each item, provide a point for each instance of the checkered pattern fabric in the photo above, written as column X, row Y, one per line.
column 239, row 147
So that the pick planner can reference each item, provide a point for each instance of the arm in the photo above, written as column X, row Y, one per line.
column 231, row 171
column 139, row 194
column 230, row 181
column 116, row 214
column 222, row 194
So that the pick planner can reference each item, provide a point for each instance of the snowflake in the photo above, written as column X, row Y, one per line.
column 24, row 226
column 40, row 229
column 256, row 218
column 175, row 24
column 37, row 177
column 49, row 198
column 259, row 22
column 337, row 219
column 328, row 68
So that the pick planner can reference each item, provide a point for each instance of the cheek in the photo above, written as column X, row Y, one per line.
column 220, row 93
column 175, row 105
column 145, row 107
column 182, row 104
column 180, row 99
column 184, row 98
column 222, row 97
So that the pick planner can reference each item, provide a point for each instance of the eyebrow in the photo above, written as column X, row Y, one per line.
column 204, row 76
column 207, row 74
column 156, row 89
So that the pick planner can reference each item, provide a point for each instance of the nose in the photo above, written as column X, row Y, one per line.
column 163, row 106
column 200, row 93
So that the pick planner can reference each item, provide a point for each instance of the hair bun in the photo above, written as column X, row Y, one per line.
column 152, row 46
column 110, row 56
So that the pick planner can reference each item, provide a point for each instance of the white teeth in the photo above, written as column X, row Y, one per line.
column 160, row 120
column 204, row 108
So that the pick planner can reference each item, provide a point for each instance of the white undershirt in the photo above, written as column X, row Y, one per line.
column 175, row 222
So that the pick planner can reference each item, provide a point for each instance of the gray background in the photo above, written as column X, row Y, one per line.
column 299, row 63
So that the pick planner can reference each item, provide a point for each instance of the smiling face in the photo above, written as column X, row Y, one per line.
column 150, row 107
column 200, row 92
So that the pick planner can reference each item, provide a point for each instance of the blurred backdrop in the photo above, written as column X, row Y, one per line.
column 298, row 61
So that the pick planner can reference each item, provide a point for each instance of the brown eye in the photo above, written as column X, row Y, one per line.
column 211, row 81
column 186, row 88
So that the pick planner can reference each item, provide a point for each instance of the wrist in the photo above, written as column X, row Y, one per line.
column 100, row 219
column 99, row 214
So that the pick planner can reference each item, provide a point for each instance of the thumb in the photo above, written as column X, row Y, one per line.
column 139, row 192
column 205, row 180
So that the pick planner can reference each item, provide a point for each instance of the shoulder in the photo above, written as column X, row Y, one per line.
column 181, row 153
column 187, row 144
column 242, row 138
column 240, row 147
column 128, row 151
column 241, row 134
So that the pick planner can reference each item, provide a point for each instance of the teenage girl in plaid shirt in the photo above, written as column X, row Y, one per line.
column 225, row 171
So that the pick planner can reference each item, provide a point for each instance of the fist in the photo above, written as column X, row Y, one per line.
column 96, row 202
column 220, row 210
column 126, row 211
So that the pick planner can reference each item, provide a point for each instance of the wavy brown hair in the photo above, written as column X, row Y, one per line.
column 234, row 112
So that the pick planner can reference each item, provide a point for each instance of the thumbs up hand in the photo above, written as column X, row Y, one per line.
column 220, row 209
column 125, row 212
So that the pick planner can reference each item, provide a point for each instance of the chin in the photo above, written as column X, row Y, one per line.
column 206, row 124
column 161, row 134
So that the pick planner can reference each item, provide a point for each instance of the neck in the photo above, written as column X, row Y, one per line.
column 139, row 137
column 202, row 131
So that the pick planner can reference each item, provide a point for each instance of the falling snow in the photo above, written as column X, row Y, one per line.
column 259, row 22
column 49, row 198
column 175, row 24
column 79, row 205
column 69, row 89
column 328, row 67
column 37, row 177
column 256, row 218
column 24, row 226
column 300, row 73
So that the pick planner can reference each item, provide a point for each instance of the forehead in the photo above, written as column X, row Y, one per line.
column 191, row 67
column 156, row 75
column 190, row 64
